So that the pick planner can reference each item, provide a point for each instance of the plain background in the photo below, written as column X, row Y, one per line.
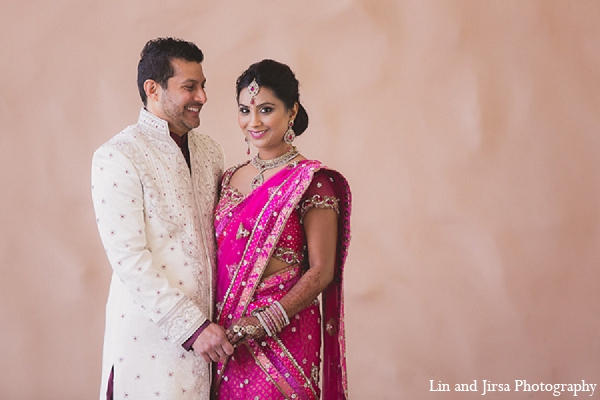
column 469, row 132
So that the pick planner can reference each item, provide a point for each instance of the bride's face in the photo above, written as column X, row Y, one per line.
column 264, row 121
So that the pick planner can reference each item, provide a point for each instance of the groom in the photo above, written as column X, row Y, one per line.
column 154, row 188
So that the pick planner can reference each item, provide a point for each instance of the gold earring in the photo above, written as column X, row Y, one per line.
column 290, row 135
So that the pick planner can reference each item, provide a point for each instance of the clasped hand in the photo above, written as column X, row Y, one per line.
column 213, row 344
column 243, row 329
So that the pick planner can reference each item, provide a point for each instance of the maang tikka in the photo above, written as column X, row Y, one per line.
column 290, row 135
column 253, row 90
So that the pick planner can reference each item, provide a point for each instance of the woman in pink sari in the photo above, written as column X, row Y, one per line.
column 282, row 227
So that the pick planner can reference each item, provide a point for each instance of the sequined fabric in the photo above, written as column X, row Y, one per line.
column 291, row 246
column 250, row 230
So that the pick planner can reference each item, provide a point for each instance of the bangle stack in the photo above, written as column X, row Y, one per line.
column 272, row 318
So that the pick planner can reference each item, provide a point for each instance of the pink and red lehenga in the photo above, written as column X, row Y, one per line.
column 250, row 230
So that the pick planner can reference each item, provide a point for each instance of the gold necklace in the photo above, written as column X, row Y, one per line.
column 263, row 165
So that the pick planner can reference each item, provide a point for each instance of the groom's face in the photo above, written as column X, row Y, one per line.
column 180, row 102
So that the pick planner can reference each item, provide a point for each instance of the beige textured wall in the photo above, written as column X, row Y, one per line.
column 469, row 131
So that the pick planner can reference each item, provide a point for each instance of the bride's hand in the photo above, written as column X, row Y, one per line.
column 243, row 329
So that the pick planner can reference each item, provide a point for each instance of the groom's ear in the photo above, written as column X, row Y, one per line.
column 152, row 89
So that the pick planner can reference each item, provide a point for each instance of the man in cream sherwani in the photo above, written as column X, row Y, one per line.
column 154, row 188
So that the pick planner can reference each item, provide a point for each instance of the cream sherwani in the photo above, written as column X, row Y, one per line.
column 155, row 219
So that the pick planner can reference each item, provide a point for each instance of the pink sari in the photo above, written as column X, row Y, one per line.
column 286, row 365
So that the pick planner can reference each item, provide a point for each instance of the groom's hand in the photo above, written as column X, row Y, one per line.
column 212, row 344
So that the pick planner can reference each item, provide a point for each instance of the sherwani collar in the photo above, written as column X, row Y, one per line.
column 152, row 124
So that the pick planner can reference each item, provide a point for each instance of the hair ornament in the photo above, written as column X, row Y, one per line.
column 253, row 90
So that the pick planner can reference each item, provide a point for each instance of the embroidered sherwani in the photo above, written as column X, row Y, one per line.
column 155, row 218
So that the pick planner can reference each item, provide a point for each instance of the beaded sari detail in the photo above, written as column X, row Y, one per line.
column 248, row 228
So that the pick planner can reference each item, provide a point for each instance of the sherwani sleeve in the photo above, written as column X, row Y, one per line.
column 118, row 199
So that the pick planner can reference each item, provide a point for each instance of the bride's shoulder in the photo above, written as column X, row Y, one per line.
column 232, row 170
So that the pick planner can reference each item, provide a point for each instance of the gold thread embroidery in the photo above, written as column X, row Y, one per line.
column 295, row 364
column 319, row 201
column 314, row 374
column 287, row 255
column 242, row 232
